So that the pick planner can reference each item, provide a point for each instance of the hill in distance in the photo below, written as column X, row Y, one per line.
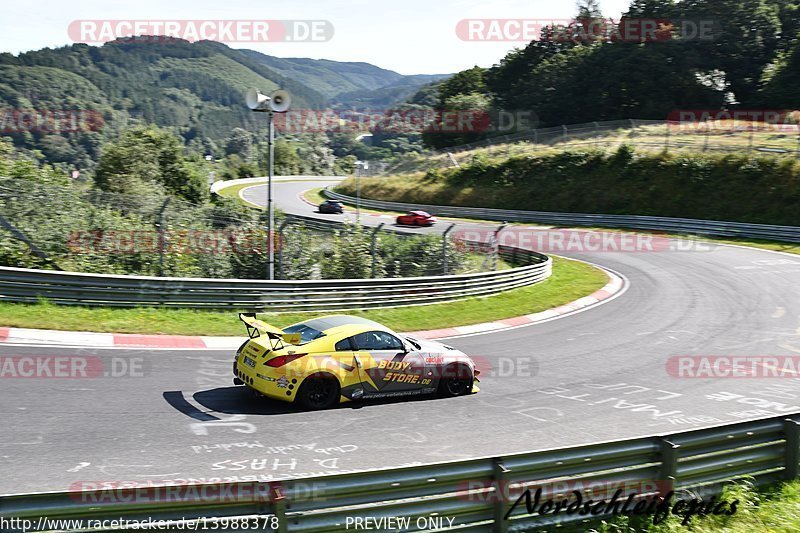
column 195, row 88
column 348, row 84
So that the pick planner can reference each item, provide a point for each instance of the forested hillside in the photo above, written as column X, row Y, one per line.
column 194, row 89
column 347, row 83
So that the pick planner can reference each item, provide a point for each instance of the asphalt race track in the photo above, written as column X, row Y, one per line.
column 592, row 376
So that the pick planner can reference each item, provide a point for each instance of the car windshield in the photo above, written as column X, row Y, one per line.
column 307, row 333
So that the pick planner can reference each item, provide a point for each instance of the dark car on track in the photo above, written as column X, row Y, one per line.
column 331, row 206
column 416, row 218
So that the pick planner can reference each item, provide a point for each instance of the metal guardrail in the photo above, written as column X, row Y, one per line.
column 666, row 224
column 74, row 288
column 477, row 494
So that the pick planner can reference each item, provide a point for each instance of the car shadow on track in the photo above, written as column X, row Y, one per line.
column 238, row 400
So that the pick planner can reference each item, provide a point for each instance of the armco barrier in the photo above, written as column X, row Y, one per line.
column 477, row 494
column 74, row 288
column 650, row 223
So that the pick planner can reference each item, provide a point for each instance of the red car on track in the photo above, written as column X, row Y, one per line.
column 416, row 218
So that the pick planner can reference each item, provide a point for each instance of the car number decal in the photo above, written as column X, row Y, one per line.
column 249, row 362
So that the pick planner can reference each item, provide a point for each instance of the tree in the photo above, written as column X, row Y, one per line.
column 470, row 81
column 147, row 158
column 240, row 143
column 781, row 81
column 287, row 161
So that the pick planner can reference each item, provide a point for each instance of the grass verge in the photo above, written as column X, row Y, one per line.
column 232, row 191
column 570, row 281
column 770, row 508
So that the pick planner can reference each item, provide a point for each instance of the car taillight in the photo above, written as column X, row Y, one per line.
column 281, row 360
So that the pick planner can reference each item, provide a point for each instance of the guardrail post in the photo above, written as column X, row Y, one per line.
column 791, row 430
column 563, row 127
column 444, row 248
column 499, row 472
column 669, row 463
column 666, row 137
column 278, row 500
column 372, row 247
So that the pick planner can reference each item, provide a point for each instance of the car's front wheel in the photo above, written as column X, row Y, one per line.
column 318, row 392
column 456, row 381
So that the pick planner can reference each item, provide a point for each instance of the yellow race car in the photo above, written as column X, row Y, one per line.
column 321, row 362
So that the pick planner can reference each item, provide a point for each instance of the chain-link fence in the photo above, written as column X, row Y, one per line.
column 654, row 135
column 79, row 228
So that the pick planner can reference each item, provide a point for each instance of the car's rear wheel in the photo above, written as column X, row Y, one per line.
column 456, row 381
column 318, row 392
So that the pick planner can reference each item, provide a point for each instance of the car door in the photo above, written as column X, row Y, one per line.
column 387, row 367
column 346, row 362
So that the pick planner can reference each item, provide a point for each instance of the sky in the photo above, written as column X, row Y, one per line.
column 408, row 36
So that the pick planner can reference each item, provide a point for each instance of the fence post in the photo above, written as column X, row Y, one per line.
column 750, row 141
column 565, row 132
column 280, row 250
column 791, row 430
column 705, row 139
column 499, row 472
column 798, row 142
column 162, row 244
column 669, row 463
column 444, row 248
column 372, row 248
column 596, row 133
column 666, row 137
column 633, row 128
column 453, row 160
column 496, row 244
column 35, row 250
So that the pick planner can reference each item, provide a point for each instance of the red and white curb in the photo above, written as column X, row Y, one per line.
column 85, row 339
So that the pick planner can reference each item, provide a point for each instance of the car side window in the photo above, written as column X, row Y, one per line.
column 377, row 340
column 344, row 345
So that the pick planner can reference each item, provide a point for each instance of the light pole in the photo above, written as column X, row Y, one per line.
column 359, row 165
column 277, row 103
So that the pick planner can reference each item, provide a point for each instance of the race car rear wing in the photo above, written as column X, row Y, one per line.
column 255, row 328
